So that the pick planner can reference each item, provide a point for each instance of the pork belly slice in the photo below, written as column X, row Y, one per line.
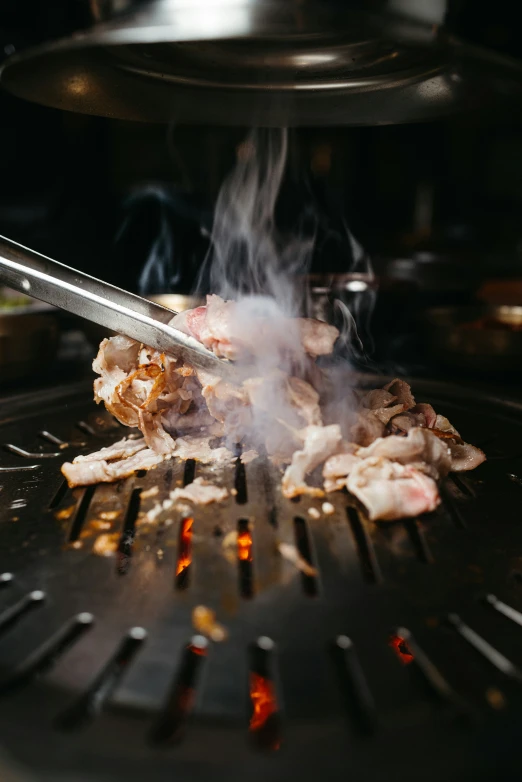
column 120, row 450
column 199, row 448
column 85, row 473
column 421, row 448
column 337, row 468
column 319, row 442
column 389, row 490
column 217, row 326
column 200, row 492
column 464, row 456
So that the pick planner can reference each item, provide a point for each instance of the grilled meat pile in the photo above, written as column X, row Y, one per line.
column 387, row 450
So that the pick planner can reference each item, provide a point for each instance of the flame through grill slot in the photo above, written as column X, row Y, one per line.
column 184, row 559
column 265, row 721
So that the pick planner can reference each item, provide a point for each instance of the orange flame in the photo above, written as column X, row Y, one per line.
column 263, row 699
column 185, row 539
column 401, row 649
column 244, row 546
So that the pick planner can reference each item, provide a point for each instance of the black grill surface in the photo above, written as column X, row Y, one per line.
column 103, row 677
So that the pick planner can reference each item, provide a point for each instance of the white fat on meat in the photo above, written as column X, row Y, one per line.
column 389, row 490
column 319, row 442
column 221, row 328
column 420, row 448
column 200, row 492
column 464, row 456
column 337, row 468
column 199, row 448
column 86, row 473
column 120, row 450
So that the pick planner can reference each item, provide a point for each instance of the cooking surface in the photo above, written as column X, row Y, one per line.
column 373, row 715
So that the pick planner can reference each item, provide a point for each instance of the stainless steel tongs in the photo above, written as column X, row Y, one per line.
column 36, row 275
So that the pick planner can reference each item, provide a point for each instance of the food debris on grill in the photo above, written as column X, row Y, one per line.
column 290, row 552
column 386, row 449
column 204, row 622
column 200, row 492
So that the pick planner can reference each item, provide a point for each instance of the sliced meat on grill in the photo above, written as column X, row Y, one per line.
column 223, row 328
column 200, row 492
column 200, row 448
column 402, row 391
column 337, row 468
column 85, row 473
column 420, row 448
column 120, row 450
column 366, row 428
column 463, row 455
column 319, row 442
column 389, row 490
column 317, row 338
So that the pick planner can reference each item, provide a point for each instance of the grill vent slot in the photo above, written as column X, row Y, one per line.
column 189, row 472
column 44, row 657
column 368, row 560
column 245, row 558
column 59, row 495
column 184, row 559
column 240, row 483
column 92, row 702
column 171, row 722
column 14, row 613
column 80, row 514
column 303, row 545
column 265, row 720
column 354, row 688
column 127, row 536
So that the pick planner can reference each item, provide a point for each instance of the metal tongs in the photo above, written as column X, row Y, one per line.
column 34, row 274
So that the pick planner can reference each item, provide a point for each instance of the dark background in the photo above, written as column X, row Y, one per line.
column 66, row 179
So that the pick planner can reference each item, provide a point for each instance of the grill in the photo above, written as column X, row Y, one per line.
column 400, row 656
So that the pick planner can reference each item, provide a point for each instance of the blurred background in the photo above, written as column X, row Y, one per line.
column 436, row 206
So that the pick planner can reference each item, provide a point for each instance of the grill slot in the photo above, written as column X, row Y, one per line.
column 265, row 720
column 127, row 536
column 59, row 495
column 245, row 558
column 180, row 700
column 92, row 702
column 364, row 545
column 5, row 579
column 189, row 472
column 44, row 656
column 354, row 688
column 12, row 615
column 184, row 558
column 80, row 514
column 492, row 655
column 418, row 540
column 304, row 547
column 240, row 483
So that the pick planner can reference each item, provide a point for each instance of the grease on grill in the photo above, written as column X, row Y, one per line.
column 401, row 649
column 204, row 622
column 184, row 559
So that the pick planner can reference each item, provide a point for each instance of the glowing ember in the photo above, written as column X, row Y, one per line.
column 401, row 649
column 264, row 701
column 244, row 546
column 185, row 539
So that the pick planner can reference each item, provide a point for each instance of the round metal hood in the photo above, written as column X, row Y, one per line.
column 261, row 62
